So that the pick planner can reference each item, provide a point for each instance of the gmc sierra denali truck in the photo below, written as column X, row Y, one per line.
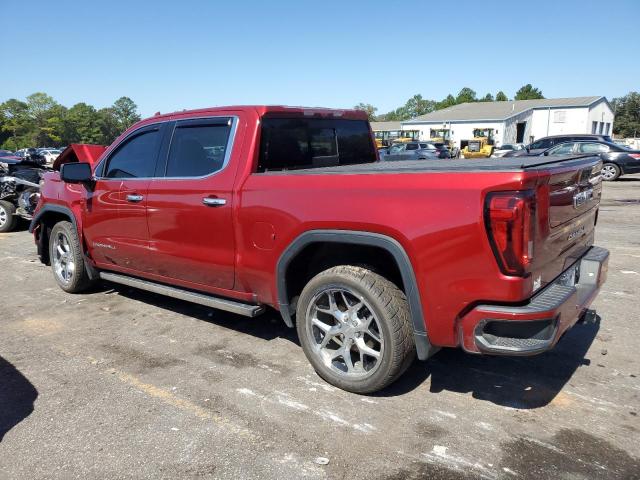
column 248, row 208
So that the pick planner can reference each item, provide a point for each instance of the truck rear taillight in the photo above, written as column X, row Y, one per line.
column 510, row 223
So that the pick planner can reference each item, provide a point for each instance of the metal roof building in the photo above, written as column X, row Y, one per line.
column 519, row 120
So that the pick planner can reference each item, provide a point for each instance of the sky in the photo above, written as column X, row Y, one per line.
column 174, row 55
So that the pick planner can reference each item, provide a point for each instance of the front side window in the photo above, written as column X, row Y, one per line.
column 562, row 149
column 300, row 143
column 412, row 146
column 541, row 144
column 593, row 148
column 197, row 149
column 136, row 158
column 397, row 148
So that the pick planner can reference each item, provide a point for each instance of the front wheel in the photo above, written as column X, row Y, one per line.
column 355, row 329
column 610, row 172
column 8, row 218
column 67, row 260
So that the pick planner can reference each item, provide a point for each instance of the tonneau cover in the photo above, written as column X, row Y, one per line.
column 466, row 165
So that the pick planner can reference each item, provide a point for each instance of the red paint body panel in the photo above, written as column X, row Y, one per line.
column 79, row 152
column 233, row 250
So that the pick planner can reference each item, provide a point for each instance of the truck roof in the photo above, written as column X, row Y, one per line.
column 264, row 109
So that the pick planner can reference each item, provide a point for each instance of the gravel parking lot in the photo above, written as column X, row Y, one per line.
column 124, row 384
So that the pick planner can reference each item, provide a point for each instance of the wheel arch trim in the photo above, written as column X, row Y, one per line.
column 52, row 209
column 354, row 237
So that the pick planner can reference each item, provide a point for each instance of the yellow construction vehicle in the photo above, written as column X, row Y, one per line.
column 481, row 146
column 384, row 138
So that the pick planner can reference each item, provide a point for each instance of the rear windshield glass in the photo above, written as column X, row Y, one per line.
column 295, row 143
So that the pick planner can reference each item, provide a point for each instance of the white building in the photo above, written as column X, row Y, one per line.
column 519, row 121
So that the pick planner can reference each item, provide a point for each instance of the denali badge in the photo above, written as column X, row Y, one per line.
column 103, row 245
column 583, row 197
column 576, row 233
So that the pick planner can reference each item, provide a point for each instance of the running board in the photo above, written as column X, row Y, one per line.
column 232, row 306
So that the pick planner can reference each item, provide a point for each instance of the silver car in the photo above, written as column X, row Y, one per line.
column 409, row 151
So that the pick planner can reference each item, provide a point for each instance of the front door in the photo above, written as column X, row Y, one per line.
column 189, row 205
column 115, row 220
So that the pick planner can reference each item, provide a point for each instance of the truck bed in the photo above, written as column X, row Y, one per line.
column 465, row 165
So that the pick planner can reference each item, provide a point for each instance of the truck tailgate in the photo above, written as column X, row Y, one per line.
column 568, row 201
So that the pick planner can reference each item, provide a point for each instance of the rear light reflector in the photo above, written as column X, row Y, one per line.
column 635, row 155
column 510, row 223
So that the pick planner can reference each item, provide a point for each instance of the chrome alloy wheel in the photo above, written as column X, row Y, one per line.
column 609, row 172
column 63, row 263
column 3, row 216
column 344, row 333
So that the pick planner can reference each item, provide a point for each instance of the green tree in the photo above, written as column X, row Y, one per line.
column 13, row 118
column 528, row 92
column 501, row 97
column 370, row 109
column 487, row 98
column 627, row 115
column 126, row 112
column 449, row 101
column 82, row 124
column 466, row 95
column 108, row 125
column 39, row 109
column 417, row 105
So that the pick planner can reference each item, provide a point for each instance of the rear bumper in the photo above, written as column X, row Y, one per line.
column 538, row 325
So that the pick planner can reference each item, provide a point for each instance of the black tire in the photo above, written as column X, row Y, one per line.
column 386, row 302
column 79, row 280
column 8, row 218
column 610, row 172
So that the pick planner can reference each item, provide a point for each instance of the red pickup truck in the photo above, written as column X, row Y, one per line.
column 255, row 207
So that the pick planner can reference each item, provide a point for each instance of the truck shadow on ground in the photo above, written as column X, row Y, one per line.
column 17, row 396
column 517, row 382
column 267, row 326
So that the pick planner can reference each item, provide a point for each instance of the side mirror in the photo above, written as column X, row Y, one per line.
column 546, row 154
column 76, row 173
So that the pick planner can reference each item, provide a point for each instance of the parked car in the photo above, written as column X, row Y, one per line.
column 49, row 154
column 410, row 151
column 617, row 160
column 6, row 153
column 442, row 148
column 545, row 143
column 506, row 148
column 19, row 190
column 248, row 208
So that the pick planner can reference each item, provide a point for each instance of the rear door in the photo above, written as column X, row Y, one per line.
column 190, row 204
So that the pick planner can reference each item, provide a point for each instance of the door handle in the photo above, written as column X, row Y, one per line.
column 214, row 202
column 135, row 198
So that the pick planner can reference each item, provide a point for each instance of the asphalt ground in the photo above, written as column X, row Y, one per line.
column 120, row 383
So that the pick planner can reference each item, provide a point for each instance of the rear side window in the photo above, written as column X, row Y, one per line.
column 593, row 148
column 197, row 150
column 136, row 158
column 297, row 143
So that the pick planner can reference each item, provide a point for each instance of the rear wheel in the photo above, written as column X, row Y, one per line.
column 355, row 329
column 67, row 260
column 610, row 172
column 8, row 218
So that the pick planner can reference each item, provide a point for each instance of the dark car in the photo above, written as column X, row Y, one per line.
column 617, row 159
column 409, row 151
column 545, row 143
column 442, row 148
